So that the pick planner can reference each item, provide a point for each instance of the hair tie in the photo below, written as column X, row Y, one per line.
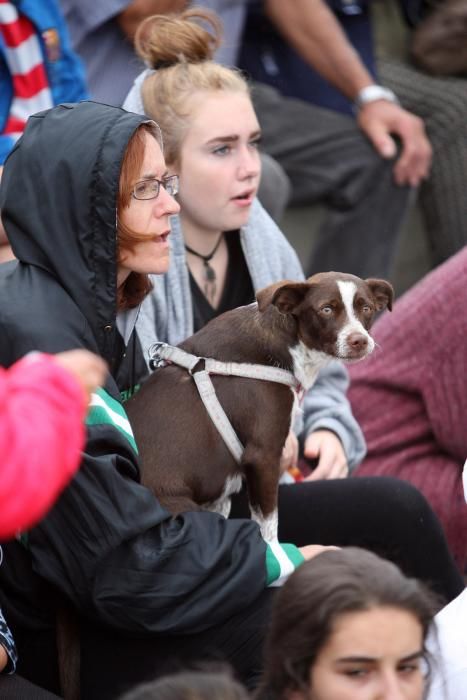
column 159, row 65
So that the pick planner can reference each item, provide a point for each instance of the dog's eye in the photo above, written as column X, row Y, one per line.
column 367, row 309
column 326, row 310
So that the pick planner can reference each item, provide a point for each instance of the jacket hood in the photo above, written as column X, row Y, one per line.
column 58, row 200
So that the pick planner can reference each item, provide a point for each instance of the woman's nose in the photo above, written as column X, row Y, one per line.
column 249, row 165
column 167, row 205
column 391, row 687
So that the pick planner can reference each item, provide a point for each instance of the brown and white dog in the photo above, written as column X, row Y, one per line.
column 297, row 326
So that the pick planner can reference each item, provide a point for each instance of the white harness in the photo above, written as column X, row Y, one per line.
column 161, row 353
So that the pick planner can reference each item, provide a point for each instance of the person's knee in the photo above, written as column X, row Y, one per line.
column 404, row 500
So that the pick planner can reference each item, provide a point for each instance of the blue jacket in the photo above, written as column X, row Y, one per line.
column 64, row 69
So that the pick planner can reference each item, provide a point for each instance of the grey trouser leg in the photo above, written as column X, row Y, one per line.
column 327, row 158
column 274, row 189
column 442, row 104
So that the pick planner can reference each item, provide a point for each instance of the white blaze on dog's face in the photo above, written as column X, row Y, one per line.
column 353, row 340
column 333, row 313
column 336, row 313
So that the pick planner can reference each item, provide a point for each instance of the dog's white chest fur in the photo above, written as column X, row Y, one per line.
column 307, row 363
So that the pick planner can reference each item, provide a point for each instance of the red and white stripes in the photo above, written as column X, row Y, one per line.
column 23, row 54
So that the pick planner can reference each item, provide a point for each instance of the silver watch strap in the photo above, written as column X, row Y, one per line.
column 371, row 93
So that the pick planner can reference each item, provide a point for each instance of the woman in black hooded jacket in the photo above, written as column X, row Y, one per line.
column 148, row 587
column 70, row 185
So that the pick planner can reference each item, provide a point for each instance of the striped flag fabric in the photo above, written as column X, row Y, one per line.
column 24, row 58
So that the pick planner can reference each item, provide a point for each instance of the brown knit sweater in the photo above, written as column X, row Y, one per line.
column 410, row 396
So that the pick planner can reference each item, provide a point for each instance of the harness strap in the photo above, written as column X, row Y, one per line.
column 161, row 353
column 217, row 414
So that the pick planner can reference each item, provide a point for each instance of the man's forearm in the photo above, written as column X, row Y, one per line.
column 313, row 31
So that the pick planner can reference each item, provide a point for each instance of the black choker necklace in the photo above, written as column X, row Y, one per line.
column 209, row 272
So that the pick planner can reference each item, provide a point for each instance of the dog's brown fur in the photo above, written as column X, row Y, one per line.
column 184, row 459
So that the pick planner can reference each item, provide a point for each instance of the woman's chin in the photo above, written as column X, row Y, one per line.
column 238, row 219
column 161, row 266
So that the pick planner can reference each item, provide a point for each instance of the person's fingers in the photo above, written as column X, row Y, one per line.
column 312, row 446
column 4, row 657
column 294, row 451
column 312, row 550
column 340, row 470
column 89, row 369
column 380, row 120
column 321, row 471
column 327, row 447
column 289, row 457
column 414, row 163
column 381, row 139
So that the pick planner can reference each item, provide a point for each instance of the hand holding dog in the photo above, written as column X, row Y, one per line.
column 289, row 457
column 88, row 369
column 325, row 446
column 312, row 550
column 3, row 658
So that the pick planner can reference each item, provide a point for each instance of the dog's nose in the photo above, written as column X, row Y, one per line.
column 357, row 341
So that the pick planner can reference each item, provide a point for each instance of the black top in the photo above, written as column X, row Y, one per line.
column 238, row 288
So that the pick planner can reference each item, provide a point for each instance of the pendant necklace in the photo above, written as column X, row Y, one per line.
column 209, row 272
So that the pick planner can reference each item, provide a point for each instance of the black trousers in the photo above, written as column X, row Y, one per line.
column 385, row 515
column 16, row 688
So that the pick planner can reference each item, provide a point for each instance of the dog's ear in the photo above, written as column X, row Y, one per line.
column 264, row 296
column 383, row 293
column 285, row 295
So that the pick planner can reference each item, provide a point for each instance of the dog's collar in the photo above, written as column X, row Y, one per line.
column 200, row 368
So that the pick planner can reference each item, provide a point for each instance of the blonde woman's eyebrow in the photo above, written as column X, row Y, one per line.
column 231, row 138
column 223, row 139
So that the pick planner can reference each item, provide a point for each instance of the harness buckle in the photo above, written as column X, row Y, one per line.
column 198, row 366
column 154, row 353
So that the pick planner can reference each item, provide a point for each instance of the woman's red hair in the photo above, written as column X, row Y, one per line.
column 136, row 285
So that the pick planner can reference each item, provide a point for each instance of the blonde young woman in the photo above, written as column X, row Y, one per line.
column 224, row 247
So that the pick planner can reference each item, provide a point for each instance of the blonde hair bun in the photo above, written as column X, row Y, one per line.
column 189, row 37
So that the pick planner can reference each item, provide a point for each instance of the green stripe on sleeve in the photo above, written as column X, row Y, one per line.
column 281, row 560
column 294, row 554
column 105, row 410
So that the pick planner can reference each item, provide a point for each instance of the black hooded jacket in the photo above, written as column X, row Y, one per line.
column 107, row 544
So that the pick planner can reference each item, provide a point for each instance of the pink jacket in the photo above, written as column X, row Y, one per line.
column 42, row 433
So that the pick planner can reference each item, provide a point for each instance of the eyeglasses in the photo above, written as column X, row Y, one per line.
column 150, row 188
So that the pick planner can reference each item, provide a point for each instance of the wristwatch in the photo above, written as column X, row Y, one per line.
column 371, row 93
